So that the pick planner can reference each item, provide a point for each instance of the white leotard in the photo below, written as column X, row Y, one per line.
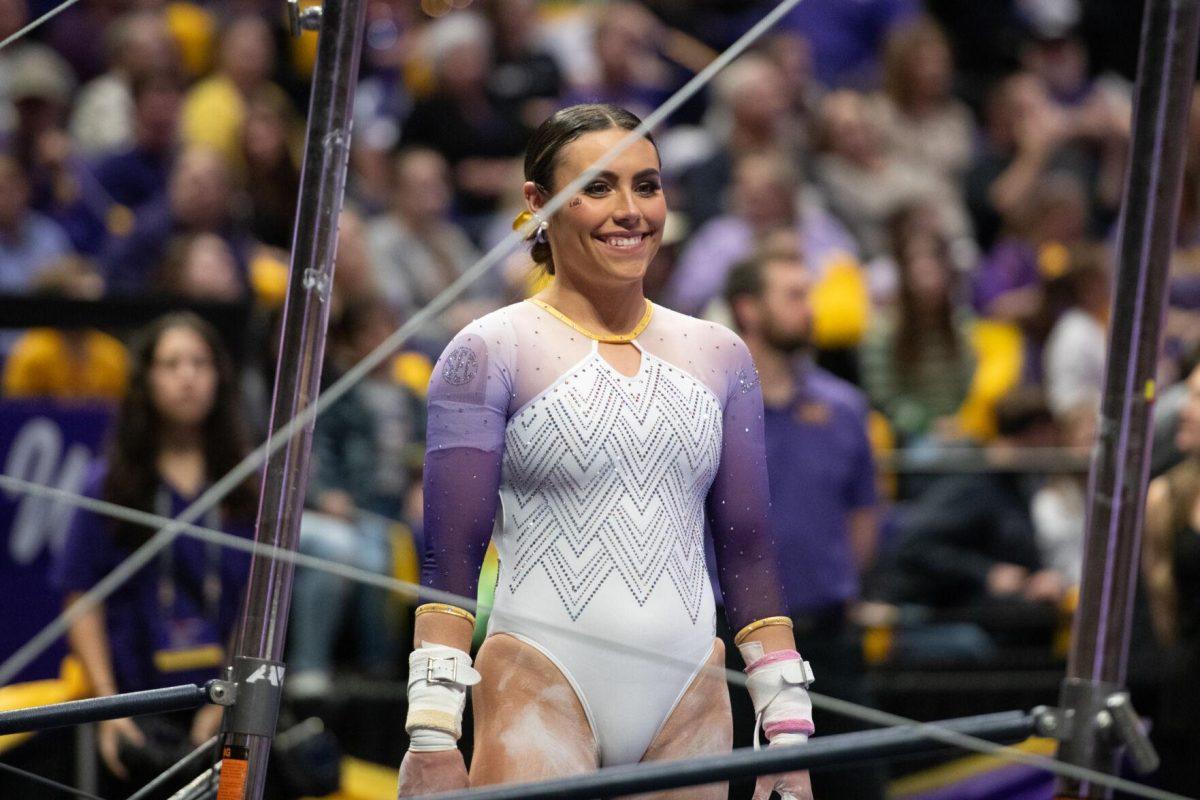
column 603, row 481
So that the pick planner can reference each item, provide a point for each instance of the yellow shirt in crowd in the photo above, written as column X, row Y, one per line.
column 43, row 364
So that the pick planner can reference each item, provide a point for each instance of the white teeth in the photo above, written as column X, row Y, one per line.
column 623, row 241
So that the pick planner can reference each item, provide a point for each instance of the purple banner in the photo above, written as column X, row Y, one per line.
column 52, row 444
column 1006, row 782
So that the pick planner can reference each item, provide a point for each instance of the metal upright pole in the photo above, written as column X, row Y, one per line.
column 1094, row 719
column 257, row 671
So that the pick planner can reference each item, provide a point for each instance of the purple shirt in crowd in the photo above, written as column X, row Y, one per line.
column 1011, row 265
column 39, row 242
column 134, row 613
column 724, row 241
column 821, row 469
column 847, row 35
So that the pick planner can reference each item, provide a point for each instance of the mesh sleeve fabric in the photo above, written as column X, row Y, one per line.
column 469, row 395
column 739, row 503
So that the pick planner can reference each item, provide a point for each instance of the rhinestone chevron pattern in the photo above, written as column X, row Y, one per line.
column 609, row 475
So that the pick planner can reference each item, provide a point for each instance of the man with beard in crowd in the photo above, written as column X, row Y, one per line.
column 822, row 479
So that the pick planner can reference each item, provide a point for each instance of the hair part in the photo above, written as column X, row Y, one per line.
column 548, row 141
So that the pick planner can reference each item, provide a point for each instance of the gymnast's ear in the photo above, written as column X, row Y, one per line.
column 534, row 199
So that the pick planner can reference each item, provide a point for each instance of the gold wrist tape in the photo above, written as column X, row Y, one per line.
column 446, row 608
column 765, row 622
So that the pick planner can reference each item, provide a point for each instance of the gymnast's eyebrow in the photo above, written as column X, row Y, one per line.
column 612, row 177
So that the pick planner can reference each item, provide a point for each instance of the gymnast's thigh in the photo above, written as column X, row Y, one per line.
column 700, row 724
column 529, row 723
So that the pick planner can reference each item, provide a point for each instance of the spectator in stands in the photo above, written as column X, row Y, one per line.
column 103, row 119
column 865, row 184
column 1022, row 131
column 199, row 200
column 524, row 76
column 921, row 122
column 1073, row 361
column 200, row 267
column 1009, row 284
column 176, row 432
column 417, row 251
column 823, row 499
column 67, row 363
column 354, row 273
column 766, row 195
column 969, row 539
column 792, row 54
column 1171, row 575
column 480, row 138
column 60, row 184
column 1099, row 111
column 1060, row 503
column 270, row 141
column 631, row 74
column 917, row 362
column 214, row 112
column 357, row 491
column 29, row 241
column 382, row 100
column 750, row 115
column 138, row 174
column 38, row 84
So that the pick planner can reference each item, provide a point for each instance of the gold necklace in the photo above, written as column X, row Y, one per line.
column 621, row 338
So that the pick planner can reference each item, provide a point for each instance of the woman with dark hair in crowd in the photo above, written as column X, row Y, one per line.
column 917, row 363
column 176, row 432
column 597, row 431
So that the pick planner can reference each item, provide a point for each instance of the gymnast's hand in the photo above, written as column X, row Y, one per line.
column 791, row 785
column 437, row 771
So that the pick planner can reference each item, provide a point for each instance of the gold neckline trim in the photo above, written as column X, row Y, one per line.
column 622, row 338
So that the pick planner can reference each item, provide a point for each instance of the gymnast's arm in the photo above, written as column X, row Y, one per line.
column 738, row 511
column 461, row 496
column 738, row 508
column 468, row 407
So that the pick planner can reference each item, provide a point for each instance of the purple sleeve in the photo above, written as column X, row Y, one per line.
column 468, row 411
column 739, row 505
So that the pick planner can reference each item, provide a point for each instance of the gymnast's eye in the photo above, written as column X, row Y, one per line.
column 649, row 187
column 597, row 188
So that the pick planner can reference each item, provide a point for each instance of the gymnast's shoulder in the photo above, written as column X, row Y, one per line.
column 705, row 340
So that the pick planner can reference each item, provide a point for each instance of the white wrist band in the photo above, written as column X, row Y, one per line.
column 438, row 677
column 778, row 685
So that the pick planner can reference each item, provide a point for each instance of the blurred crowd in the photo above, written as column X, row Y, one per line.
column 946, row 182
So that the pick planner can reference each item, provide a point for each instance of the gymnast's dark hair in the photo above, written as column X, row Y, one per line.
column 132, row 478
column 559, row 130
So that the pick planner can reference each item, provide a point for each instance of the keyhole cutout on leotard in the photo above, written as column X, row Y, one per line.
column 624, row 358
